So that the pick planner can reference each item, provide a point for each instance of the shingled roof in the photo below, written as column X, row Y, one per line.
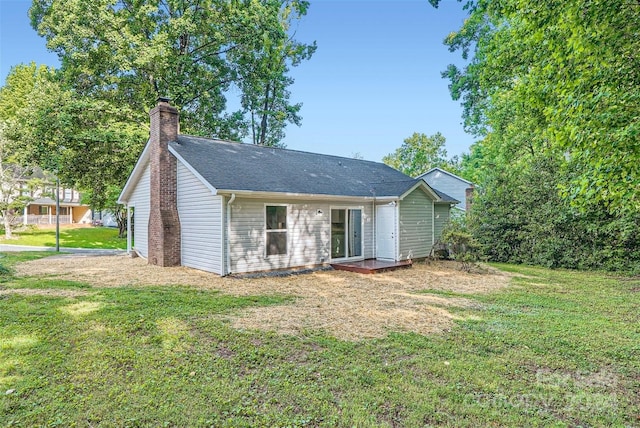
column 230, row 166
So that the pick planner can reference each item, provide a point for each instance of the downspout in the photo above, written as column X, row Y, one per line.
column 229, row 202
column 128, row 229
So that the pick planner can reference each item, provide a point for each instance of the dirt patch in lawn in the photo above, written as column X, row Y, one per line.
column 347, row 305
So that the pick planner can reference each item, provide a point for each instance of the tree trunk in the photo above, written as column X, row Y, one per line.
column 7, row 225
column 121, row 219
column 263, row 125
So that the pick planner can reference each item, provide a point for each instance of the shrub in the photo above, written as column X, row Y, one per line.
column 462, row 246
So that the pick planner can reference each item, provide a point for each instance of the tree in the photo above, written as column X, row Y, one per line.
column 14, row 177
column 88, row 143
column 264, row 80
column 419, row 153
column 560, row 78
column 129, row 52
column 553, row 91
column 14, row 181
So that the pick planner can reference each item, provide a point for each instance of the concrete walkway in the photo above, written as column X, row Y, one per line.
column 63, row 250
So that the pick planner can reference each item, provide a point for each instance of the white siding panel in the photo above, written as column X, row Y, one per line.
column 141, row 203
column 369, row 245
column 308, row 234
column 416, row 215
column 200, row 223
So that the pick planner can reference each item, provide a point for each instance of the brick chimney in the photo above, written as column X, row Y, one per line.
column 468, row 196
column 164, row 222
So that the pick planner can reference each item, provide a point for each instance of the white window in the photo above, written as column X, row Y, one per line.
column 276, row 221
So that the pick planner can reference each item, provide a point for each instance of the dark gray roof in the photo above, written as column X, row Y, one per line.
column 445, row 197
column 237, row 166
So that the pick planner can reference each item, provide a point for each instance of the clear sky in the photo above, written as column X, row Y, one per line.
column 374, row 80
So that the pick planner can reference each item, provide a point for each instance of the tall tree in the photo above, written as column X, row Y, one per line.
column 264, row 79
column 87, row 143
column 128, row 52
column 560, row 78
column 419, row 153
column 15, row 177
column 16, row 183
column 553, row 90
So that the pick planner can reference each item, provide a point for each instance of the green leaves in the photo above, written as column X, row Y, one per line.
column 419, row 153
column 196, row 52
column 553, row 90
column 556, row 78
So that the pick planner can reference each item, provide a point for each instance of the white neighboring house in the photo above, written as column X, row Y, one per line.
column 454, row 186
column 228, row 207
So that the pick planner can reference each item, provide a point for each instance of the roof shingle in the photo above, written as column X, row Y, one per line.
column 237, row 166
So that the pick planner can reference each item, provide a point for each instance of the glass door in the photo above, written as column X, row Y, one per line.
column 346, row 233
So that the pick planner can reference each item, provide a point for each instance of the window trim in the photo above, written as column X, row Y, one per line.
column 267, row 230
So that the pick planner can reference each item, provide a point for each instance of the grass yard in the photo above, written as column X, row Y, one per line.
column 552, row 348
column 72, row 237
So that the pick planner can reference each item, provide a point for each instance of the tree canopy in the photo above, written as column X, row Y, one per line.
column 559, row 79
column 419, row 153
column 129, row 52
column 552, row 89
column 87, row 122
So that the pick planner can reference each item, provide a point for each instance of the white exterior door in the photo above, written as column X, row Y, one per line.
column 386, row 232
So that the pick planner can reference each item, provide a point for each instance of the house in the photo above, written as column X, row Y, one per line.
column 451, row 184
column 227, row 207
column 41, row 208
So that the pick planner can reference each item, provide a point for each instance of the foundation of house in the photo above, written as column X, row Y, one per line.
column 372, row 266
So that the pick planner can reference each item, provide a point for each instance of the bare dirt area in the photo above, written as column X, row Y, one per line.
column 347, row 305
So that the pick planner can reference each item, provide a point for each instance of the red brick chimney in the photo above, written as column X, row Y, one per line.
column 468, row 196
column 164, row 222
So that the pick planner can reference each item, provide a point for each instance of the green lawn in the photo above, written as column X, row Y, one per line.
column 556, row 348
column 83, row 237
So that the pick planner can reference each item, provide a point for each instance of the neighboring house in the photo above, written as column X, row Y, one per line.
column 41, row 210
column 451, row 184
column 104, row 218
column 228, row 207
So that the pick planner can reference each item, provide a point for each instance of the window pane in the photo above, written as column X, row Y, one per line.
column 276, row 243
column 338, row 237
column 276, row 217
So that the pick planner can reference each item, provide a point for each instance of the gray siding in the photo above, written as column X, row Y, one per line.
column 416, row 235
column 449, row 185
column 441, row 219
column 200, row 223
column 140, row 201
column 308, row 234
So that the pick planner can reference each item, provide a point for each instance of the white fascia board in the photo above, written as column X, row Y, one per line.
column 135, row 175
column 187, row 165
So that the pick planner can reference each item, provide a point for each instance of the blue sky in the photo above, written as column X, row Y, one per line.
column 374, row 80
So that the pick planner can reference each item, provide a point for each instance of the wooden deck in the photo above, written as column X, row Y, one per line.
column 371, row 266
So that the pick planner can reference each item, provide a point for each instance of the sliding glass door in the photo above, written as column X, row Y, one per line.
column 346, row 233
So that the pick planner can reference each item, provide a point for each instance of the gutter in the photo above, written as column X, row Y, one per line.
column 228, row 233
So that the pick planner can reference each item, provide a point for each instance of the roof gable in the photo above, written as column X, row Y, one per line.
column 436, row 170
